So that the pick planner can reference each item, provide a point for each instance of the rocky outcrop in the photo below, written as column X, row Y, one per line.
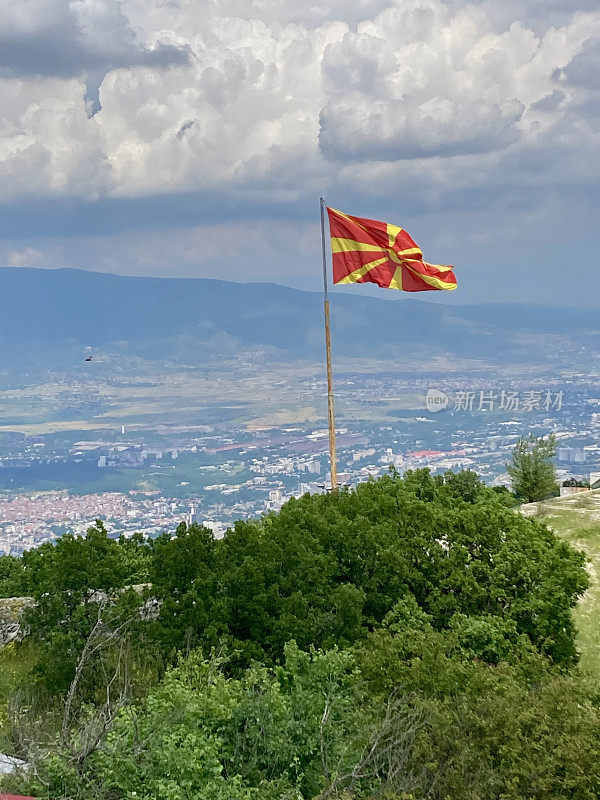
column 12, row 612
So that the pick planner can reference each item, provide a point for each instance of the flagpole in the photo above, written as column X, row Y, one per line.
column 330, row 410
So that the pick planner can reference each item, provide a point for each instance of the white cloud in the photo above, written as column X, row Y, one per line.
column 48, row 146
column 75, row 38
column 280, row 100
column 29, row 257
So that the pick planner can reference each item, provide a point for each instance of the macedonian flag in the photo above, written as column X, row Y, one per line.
column 368, row 251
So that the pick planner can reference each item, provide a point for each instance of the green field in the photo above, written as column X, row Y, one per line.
column 577, row 520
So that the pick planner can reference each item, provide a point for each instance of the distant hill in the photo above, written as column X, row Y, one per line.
column 54, row 314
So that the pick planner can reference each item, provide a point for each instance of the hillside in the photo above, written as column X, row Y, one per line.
column 410, row 638
column 577, row 520
column 195, row 319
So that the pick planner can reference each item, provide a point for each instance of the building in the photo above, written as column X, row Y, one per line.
column 358, row 455
column 578, row 455
column 575, row 455
column 193, row 516
column 218, row 528
column 564, row 453
column 594, row 480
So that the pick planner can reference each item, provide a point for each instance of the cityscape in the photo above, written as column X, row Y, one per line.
column 150, row 478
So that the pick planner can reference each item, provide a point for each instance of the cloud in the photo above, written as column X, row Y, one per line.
column 66, row 38
column 273, row 101
column 417, row 82
column 69, row 39
column 549, row 102
column 398, row 129
column 583, row 70
column 28, row 257
column 243, row 251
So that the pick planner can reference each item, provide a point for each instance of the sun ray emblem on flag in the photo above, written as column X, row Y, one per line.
column 369, row 251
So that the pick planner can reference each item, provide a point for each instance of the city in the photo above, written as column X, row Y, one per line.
column 148, row 479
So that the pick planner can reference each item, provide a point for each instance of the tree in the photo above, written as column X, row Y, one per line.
column 305, row 729
column 413, row 714
column 408, row 639
column 11, row 576
column 323, row 571
column 68, row 580
column 515, row 727
column 328, row 568
column 532, row 470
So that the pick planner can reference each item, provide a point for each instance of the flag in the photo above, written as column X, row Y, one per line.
column 368, row 251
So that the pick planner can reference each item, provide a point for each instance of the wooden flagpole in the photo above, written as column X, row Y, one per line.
column 330, row 409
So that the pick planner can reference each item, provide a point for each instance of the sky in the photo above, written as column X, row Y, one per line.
column 193, row 139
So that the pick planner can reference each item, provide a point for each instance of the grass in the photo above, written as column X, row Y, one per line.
column 16, row 662
column 576, row 519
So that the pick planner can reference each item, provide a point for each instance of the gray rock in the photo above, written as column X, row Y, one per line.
column 9, row 764
column 12, row 611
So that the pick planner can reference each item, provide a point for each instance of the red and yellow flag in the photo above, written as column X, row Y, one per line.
column 368, row 251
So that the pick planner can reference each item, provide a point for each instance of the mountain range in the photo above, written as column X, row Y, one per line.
column 54, row 316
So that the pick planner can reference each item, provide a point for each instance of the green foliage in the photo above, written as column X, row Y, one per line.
column 185, row 576
column 16, row 663
column 80, row 564
column 271, row 734
column 577, row 483
column 519, row 729
column 413, row 714
column 409, row 639
column 323, row 571
column 532, row 469
column 70, row 581
column 76, row 564
column 328, row 568
column 11, row 580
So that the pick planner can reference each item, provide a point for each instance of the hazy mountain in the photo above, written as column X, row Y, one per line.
column 55, row 314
